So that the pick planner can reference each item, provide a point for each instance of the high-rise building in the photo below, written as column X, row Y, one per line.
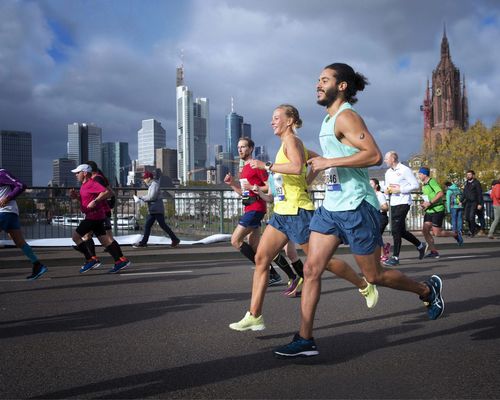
column 150, row 137
column 84, row 143
column 16, row 155
column 445, row 104
column 260, row 153
column 235, row 129
column 61, row 172
column 116, row 162
column 166, row 161
column 192, row 132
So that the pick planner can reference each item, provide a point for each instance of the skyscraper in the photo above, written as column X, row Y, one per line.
column 235, row 129
column 84, row 143
column 192, row 132
column 16, row 155
column 116, row 162
column 150, row 137
column 166, row 160
column 260, row 153
column 61, row 172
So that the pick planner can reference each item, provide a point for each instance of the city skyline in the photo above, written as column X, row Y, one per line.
column 121, row 69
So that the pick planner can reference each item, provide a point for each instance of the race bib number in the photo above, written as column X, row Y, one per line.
column 279, row 190
column 332, row 180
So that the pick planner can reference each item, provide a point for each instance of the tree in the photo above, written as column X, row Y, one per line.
column 477, row 149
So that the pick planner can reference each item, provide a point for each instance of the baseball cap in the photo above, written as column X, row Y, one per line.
column 82, row 168
column 147, row 174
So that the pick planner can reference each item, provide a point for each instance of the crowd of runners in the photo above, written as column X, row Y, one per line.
column 354, row 212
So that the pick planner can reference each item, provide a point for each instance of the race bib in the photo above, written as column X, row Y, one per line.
column 332, row 180
column 279, row 190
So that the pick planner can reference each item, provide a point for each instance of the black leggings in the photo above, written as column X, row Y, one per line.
column 398, row 227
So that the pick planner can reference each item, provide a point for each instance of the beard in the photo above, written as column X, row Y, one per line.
column 330, row 97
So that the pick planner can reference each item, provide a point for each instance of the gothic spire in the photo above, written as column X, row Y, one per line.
column 445, row 48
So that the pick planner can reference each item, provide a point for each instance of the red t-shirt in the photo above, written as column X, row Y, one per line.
column 88, row 192
column 254, row 177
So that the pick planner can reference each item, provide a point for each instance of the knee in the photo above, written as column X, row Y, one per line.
column 311, row 271
column 236, row 242
column 262, row 260
column 76, row 238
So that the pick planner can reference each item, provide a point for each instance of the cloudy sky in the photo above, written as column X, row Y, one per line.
column 112, row 62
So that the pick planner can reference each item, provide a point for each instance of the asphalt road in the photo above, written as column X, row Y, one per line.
column 160, row 330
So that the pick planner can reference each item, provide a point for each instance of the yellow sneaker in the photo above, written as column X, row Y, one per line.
column 249, row 322
column 370, row 294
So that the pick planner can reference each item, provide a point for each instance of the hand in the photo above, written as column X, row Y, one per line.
column 425, row 205
column 92, row 204
column 257, row 164
column 479, row 207
column 228, row 179
column 319, row 163
column 394, row 188
column 3, row 201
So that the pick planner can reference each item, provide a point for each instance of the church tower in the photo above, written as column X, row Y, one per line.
column 445, row 104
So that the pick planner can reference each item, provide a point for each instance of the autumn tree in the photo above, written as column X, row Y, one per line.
column 477, row 149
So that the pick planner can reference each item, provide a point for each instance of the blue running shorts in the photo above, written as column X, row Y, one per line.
column 295, row 227
column 359, row 228
column 251, row 219
column 9, row 221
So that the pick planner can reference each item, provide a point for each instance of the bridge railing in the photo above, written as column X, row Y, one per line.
column 47, row 212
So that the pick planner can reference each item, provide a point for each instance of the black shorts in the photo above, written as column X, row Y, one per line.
column 91, row 225
column 436, row 218
column 107, row 223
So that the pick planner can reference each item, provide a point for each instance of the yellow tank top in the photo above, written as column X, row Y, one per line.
column 292, row 189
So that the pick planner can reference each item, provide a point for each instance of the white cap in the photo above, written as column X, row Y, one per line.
column 82, row 168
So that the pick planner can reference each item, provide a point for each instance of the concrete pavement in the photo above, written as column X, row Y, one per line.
column 159, row 330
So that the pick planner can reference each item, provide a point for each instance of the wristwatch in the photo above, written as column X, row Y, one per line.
column 268, row 166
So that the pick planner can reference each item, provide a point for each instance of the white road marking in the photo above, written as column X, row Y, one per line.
column 476, row 256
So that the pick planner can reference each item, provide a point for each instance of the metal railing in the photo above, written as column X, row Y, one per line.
column 47, row 212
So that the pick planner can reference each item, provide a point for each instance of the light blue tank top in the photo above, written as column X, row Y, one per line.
column 345, row 187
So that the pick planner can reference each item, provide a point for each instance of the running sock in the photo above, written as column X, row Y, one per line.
column 83, row 248
column 28, row 252
column 247, row 251
column 283, row 264
column 299, row 267
column 91, row 245
column 115, row 250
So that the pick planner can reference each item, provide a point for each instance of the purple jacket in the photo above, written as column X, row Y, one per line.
column 10, row 187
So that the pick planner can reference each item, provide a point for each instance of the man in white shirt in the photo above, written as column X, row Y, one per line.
column 400, row 181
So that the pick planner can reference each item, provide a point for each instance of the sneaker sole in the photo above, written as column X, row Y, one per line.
column 310, row 353
column 250, row 328
column 440, row 291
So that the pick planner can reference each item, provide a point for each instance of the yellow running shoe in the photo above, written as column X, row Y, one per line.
column 249, row 322
column 370, row 293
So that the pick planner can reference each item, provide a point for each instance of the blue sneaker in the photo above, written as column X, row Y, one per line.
column 432, row 254
column 459, row 238
column 91, row 264
column 421, row 250
column 122, row 263
column 391, row 262
column 37, row 272
column 274, row 280
column 299, row 347
column 435, row 302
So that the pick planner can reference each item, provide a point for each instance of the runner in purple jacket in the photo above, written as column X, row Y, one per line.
column 10, row 188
